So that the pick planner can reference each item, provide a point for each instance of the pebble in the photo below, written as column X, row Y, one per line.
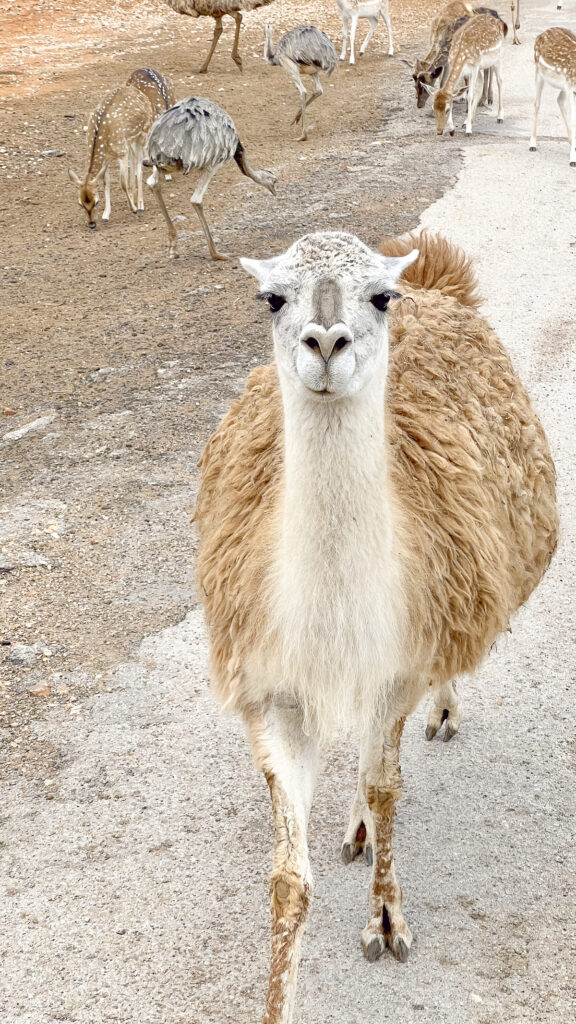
column 39, row 690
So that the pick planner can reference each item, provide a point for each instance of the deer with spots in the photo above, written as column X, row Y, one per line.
column 555, row 57
column 476, row 47
column 117, row 133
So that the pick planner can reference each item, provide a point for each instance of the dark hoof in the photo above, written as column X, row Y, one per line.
column 573, row 163
column 368, row 855
column 532, row 149
column 348, row 853
column 452, row 133
column 430, row 732
column 92, row 225
column 400, row 949
column 373, row 950
column 449, row 732
column 499, row 120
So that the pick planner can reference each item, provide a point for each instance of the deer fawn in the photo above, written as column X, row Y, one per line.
column 476, row 47
column 117, row 131
column 351, row 11
column 555, row 56
column 156, row 87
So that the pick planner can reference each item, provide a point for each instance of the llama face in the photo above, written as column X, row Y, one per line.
column 328, row 295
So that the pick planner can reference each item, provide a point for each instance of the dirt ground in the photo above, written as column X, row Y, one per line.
column 125, row 360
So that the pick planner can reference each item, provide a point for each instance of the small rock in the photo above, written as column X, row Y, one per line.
column 24, row 654
column 40, row 690
column 52, row 152
column 8, row 412
column 475, row 998
column 29, row 428
column 179, row 218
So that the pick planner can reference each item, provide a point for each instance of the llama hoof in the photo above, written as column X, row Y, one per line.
column 353, row 848
column 400, row 949
column 373, row 946
column 438, row 715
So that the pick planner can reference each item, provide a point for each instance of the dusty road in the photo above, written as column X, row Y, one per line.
column 136, row 836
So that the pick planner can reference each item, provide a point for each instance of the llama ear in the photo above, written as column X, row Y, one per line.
column 260, row 269
column 396, row 265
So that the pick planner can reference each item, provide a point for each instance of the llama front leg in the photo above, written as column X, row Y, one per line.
column 289, row 760
column 359, row 837
column 383, row 788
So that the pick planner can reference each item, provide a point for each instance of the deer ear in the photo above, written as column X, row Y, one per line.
column 260, row 269
column 434, row 74
column 73, row 177
column 100, row 173
column 408, row 63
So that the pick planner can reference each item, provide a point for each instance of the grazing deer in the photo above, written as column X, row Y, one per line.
column 428, row 75
column 117, row 131
column 447, row 16
column 555, row 56
column 156, row 87
column 351, row 11
column 476, row 47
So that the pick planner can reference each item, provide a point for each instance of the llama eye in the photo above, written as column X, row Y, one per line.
column 274, row 301
column 381, row 299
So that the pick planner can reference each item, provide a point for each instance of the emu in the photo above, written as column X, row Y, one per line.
column 371, row 512
column 217, row 9
column 302, row 51
column 197, row 135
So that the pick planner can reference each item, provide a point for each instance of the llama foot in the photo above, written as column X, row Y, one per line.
column 356, row 845
column 446, row 708
column 380, row 932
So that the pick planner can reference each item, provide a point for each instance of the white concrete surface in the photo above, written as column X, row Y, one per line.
column 138, row 893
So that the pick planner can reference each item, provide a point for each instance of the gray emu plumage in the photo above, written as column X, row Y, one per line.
column 302, row 51
column 197, row 135
column 217, row 9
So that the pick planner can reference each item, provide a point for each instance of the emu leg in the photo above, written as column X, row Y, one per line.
column 196, row 201
column 154, row 183
column 289, row 761
column 447, row 707
column 383, row 786
column 235, row 55
column 215, row 38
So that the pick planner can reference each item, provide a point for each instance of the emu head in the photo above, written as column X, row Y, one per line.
column 87, row 193
column 328, row 295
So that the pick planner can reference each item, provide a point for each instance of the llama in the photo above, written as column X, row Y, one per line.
column 371, row 512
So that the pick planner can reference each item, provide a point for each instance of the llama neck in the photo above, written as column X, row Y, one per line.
column 336, row 496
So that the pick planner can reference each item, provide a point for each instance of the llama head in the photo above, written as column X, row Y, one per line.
column 328, row 295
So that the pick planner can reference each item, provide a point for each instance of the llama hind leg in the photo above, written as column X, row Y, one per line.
column 447, row 707
column 359, row 836
column 289, row 761
column 386, row 926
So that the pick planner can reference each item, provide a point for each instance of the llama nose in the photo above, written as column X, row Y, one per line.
column 326, row 342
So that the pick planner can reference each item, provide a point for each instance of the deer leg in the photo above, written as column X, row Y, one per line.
column 515, row 13
column 498, row 73
column 383, row 788
column 353, row 27
column 447, row 707
column 107, row 203
column 154, row 182
column 237, row 15
column 386, row 18
column 369, row 34
column 345, row 27
column 537, row 102
column 138, row 157
column 568, row 110
column 472, row 82
column 125, row 182
column 215, row 38
column 289, row 760
column 196, row 201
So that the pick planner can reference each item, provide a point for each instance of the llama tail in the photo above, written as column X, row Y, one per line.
column 441, row 265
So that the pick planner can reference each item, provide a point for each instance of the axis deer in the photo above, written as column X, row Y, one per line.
column 515, row 12
column 428, row 75
column 156, row 87
column 351, row 11
column 447, row 16
column 555, row 56
column 477, row 46
column 117, row 131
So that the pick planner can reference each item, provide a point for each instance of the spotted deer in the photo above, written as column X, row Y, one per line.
column 434, row 69
column 156, row 87
column 351, row 11
column 555, row 57
column 515, row 14
column 116, row 132
column 447, row 16
column 476, row 47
